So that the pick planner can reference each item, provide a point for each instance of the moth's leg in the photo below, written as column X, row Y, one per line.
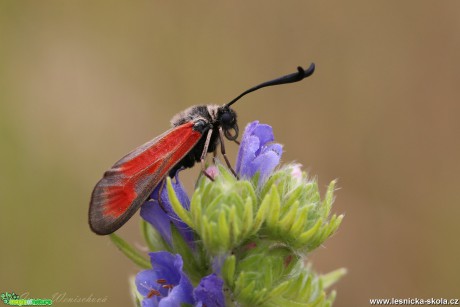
column 222, row 150
column 204, row 153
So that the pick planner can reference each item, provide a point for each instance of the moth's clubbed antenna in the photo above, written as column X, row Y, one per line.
column 291, row 78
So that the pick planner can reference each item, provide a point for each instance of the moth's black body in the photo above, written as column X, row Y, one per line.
column 205, row 118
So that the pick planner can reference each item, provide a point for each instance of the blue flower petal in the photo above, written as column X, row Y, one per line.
column 275, row 147
column 246, row 154
column 243, row 150
column 179, row 295
column 167, row 264
column 210, row 291
column 264, row 133
column 218, row 262
column 160, row 214
column 157, row 217
column 146, row 281
column 250, row 127
column 257, row 153
column 265, row 164
column 168, row 267
column 151, row 302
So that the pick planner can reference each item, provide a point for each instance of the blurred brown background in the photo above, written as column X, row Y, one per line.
column 84, row 82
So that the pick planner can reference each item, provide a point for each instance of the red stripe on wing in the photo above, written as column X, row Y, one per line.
column 123, row 189
column 118, row 200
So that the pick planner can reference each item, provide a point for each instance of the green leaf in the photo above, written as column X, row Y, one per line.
column 205, row 231
column 225, row 174
column 223, row 233
column 240, row 283
column 248, row 218
column 299, row 223
column 135, row 295
column 177, row 206
column 228, row 270
column 180, row 246
column 248, row 291
column 213, row 206
column 279, row 289
column 249, row 188
column 235, row 230
column 288, row 219
column 309, row 234
column 332, row 277
column 130, row 252
column 275, row 207
column 293, row 196
column 196, row 209
column 270, row 182
column 330, row 299
column 154, row 240
column 328, row 199
column 194, row 265
column 261, row 214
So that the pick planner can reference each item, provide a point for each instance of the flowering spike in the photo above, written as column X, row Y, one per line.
column 247, row 235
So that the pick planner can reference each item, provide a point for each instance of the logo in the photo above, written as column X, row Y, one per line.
column 13, row 299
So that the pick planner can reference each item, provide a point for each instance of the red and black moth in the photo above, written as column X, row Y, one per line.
column 195, row 132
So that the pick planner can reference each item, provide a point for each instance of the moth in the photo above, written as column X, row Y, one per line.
column 194, row 133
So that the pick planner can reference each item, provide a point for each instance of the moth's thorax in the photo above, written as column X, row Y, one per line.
column 212, row 110
column 208, row 113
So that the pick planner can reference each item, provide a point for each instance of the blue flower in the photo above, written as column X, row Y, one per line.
column 158, row 212
column 167, row 285
column 209, row 292
column 257, row 152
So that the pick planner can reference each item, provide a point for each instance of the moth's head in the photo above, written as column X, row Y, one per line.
column 227, row 119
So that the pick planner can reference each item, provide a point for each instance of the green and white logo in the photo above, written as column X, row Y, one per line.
column 13, row 299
